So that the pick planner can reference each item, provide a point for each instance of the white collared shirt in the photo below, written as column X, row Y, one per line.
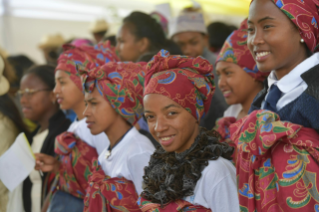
column 291, row 85
column 128, row 158
column 99, row 142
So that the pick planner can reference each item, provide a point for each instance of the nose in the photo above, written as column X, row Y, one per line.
column 23, row 99
column 255, row 38
column 187, row 50
column 56, row 89
column 160, row 125
column 86, row 111
column 221, row 82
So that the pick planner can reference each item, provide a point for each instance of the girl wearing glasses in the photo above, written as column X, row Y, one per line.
column 39, row 105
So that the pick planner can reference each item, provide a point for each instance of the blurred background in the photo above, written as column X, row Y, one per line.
column 25, row 23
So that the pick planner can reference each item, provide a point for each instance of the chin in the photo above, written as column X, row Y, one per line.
column 265, row 67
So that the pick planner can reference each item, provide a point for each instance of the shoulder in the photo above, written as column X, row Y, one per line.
column 311, row 77
column 233, row 110
column 218, row 170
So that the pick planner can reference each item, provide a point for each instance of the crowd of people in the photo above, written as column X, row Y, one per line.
column 191, row 118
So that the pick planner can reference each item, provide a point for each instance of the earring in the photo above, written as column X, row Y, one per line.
column 302, row 40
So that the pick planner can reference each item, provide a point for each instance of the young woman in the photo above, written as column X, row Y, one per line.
column 283, row 39
column 115, row 91
column 191, row 170
column 11, row 124
column 39, row 105
column 238, row 78
column 140, row 34
column 77, row 143
column 278, row 160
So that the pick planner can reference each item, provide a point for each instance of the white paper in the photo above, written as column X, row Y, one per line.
column 16, row 163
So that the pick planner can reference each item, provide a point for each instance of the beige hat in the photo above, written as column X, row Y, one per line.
column 99, row 26
column 4, row 83
column 188, row 21
column 51, row 41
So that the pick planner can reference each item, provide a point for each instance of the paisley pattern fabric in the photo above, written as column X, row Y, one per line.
column 277, row 165
column 75, row 157
column 235, row 50
column 187, row 81
column 109, row 194
column 222, row 127
column 176, row 206
column 121, row 84
column 305, row 15
column 85, row 55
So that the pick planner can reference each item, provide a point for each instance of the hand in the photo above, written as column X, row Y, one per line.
column 46, row 163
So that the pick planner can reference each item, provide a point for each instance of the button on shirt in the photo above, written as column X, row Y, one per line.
column 291, row 85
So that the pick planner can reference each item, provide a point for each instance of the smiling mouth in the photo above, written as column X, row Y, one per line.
column 261, row 55
column 167, row 140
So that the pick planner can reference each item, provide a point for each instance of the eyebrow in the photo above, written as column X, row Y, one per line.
column 59, row 78
column 223, row 69
column 261, row 20
column 165, row 108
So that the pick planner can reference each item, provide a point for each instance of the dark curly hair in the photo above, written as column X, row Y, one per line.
column 171, row 176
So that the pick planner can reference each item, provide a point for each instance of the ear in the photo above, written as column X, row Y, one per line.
column 143, row 45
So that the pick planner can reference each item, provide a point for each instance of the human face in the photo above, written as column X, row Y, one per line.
column 99, row 113
column 273, row 39
column 169, row 123
column 191, row 43
column 36, row 105
column 68, row 95
column 237, row 86
column 127, row 45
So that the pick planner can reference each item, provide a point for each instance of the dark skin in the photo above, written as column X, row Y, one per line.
column 191, row 43
column 237, row 86
column 128, row 46
column 169, row 122
column 41, row 106
column 97, row 108
column 270, row 30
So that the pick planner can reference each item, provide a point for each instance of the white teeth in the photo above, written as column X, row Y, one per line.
column 262, row 54
column 226, row 92
column 166, row 138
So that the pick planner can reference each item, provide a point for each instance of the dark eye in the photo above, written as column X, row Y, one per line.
column 149, row 117
column 172, row 113
column 228, row 73
column 267, row 26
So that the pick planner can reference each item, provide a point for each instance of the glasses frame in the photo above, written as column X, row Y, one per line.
column 30, row 92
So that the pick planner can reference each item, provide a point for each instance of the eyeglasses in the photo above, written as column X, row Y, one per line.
column 29, row 92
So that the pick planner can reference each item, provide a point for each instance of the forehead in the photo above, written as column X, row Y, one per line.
column 61, row 74
column 187, row 36
column 31, row 81
column 260, row 9
column 125, row 31
column 154, row 102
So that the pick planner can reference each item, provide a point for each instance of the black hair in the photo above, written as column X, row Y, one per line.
column 21, row 63
column 101, row 33
column 218, row 33
column 45, row 73
column 111, row 38
column 143, row 25
column 10, row 110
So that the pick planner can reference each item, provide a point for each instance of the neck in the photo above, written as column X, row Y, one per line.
column 247, row 104
column 44, row 122
column 117, row 130
column 79, row 109
column 280, row 73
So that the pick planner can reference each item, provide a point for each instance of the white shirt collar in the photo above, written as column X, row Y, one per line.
column 293, row 78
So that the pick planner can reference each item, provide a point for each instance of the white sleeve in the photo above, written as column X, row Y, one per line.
column 136, row 166
column 225, row 194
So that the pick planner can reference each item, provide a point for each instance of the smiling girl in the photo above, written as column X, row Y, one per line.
column 283, row 37
column 191, row 170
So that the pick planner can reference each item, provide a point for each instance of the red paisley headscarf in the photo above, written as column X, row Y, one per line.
column 85, row 55
column 187, row 81
column 121, row 84
column 305, row 15
column 235, row 50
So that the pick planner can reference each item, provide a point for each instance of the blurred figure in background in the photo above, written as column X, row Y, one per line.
column 11, row 124
column 112, row 39
column 99, row 29
column 162, row 20
column 39, row 105
column 139, row 34
column 190, row 33
column 218, row 33
column 50, row 45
